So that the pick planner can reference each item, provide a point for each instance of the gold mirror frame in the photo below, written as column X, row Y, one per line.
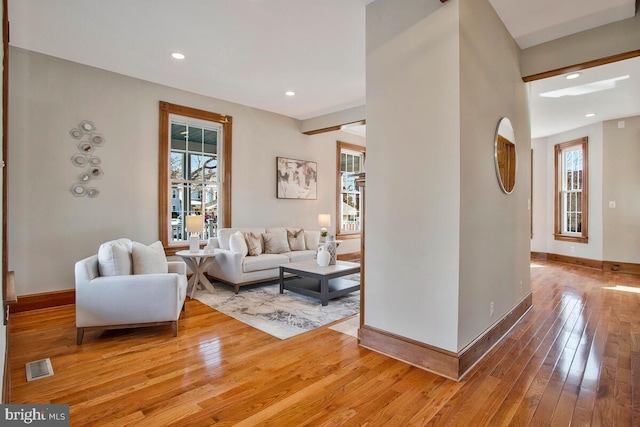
column 505, row 156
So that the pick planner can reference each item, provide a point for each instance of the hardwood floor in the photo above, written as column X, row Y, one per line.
column 574, row 359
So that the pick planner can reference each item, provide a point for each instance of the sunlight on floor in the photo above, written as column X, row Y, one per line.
column 534, row 265
column 623, row 289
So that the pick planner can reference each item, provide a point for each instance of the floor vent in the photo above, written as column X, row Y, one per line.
column 39, row 369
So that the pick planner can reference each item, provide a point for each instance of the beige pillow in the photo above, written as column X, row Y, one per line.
column 238, row 244
column 296, row 240
column 254, row 243
column 149, row 259
column 275, row 243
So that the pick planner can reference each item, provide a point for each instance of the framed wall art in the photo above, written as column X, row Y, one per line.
column 296, row 179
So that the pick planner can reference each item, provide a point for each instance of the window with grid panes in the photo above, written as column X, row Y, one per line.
column 349, row 197
column 571, row 191
column 195, row 173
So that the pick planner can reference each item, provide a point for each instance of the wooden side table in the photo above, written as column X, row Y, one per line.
column 198, row 262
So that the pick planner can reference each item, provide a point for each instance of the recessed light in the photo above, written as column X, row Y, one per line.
column 177, row 55
column 573, row 76
column 290, row 93
column 590, row 114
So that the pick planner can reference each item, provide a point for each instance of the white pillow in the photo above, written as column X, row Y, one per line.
column 114, row 258
column 312, row 239
column 149, row 259
column 238, row 244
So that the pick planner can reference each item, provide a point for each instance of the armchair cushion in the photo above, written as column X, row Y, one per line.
column 149, row 259
column 114, row 258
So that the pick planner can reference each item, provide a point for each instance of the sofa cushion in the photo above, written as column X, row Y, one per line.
column 263, row 262
column 275, row 243
column 311, row 239
column 296, row 256
column 149, row 259
column 254, row 243
column 225, row 233
column 238, row 244
column 114, row 258
column 296, row 239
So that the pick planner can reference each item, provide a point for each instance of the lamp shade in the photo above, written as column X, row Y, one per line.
column 324, row 220
column 194, row 223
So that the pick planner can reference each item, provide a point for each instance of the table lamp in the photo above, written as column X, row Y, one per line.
column 324, row 221
column 194, row 228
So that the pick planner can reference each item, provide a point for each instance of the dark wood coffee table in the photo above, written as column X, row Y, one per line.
column 324, row 283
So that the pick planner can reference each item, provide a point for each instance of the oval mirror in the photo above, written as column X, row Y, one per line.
column 505, row 155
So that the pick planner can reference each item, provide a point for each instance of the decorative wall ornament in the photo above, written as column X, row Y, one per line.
column 86, row 158
column 78, row 190
column 76, row 133
column 93, row 192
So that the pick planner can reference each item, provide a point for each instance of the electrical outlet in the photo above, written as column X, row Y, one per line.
column 491, row 306
column 521, row 285
column 572, row 249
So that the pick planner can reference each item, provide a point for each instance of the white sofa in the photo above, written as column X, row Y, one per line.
column 238, row 269
column 113, row 297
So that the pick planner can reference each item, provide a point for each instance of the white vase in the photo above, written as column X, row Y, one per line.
column 323, row 257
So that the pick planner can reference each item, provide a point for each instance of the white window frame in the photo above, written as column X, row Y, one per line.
column 210, row 225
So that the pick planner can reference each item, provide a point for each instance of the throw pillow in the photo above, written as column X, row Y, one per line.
column 312, row 239
column 114, row 258
column 296, row 240
column 254, row 243
column 149, row 259
column 275, row 243
column 238, row 244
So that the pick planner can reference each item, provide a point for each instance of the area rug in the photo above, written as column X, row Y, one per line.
column 281, row 315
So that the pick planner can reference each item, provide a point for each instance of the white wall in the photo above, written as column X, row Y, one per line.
column 539, row 199
column 614, row 153
column 621, row 184
column 50, row 229
column 544, row 167
column 443, row 241
column 3, row 329
column 329, row 141
column 413, row 177
column 596, row 43
column 494, row 226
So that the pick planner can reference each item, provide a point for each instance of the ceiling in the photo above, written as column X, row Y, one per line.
column 252, row 51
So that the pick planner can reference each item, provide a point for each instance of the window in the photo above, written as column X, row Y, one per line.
column 350, row 161
column 571, row 206
column 195, row 173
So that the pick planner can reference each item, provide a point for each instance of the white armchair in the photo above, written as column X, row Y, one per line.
column 128, row 300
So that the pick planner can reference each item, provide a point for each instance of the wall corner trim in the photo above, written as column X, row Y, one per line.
column 439, row 361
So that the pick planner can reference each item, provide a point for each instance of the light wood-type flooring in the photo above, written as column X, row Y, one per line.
column 574, row 359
